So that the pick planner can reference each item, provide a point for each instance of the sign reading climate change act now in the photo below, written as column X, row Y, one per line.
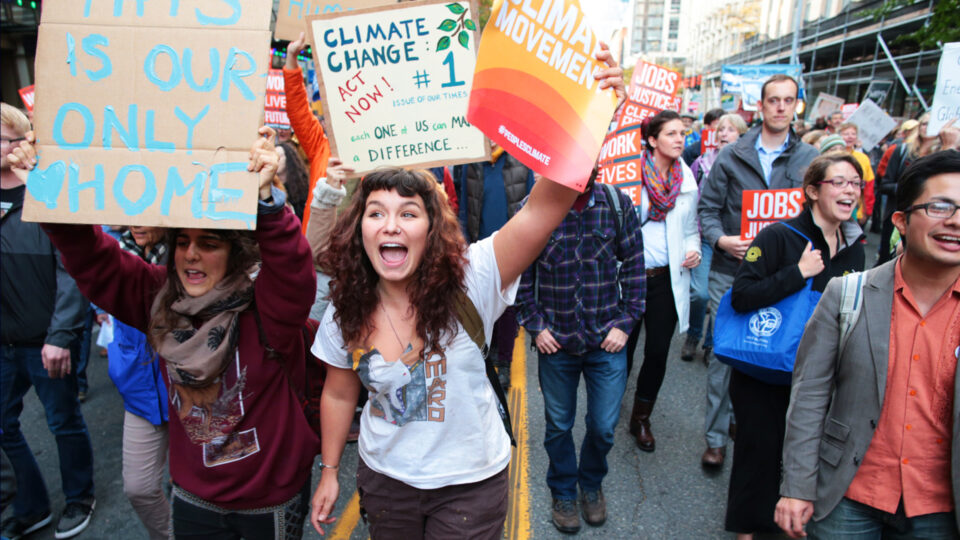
column 395, row 84
column 145, row 112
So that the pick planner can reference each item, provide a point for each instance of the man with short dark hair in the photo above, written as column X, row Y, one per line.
column 872, row 444
column 834, row 122
column 710, row 121
column 769, row 156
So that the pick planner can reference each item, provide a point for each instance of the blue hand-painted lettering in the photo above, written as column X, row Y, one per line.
column 150, row 68
column 75, row 186
column 176, row 187
column 89, row 45
column 111, row 123
column 118, row 7
column 72, row 54
column 211, row 82
column 45, row 184
column 218, row 194
column 222, row 21
column 149, row 195
column 88, row 125
column 149, row 137
column 191, row 123
column 233, row 73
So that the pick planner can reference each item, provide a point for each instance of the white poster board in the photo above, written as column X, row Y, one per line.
column 946, row 98
column 873, row 124
column 825, row 105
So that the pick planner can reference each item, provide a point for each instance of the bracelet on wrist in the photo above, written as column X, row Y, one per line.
column 322, row 466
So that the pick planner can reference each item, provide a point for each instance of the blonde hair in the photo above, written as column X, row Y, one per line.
column 735, row 120
column 813, row 137
column 912, row 142
column 12, row 117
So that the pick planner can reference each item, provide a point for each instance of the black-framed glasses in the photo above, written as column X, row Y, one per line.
column 935, row 209
column 840, row 182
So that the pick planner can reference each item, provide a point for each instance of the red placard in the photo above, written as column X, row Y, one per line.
column 708, row 140
column 763, row 207
column 26, row 95
column 275, row 101
column 652, row 89
column 620, row 161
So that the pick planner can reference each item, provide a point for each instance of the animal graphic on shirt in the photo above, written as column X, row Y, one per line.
column 388, row 380
column 397, row 392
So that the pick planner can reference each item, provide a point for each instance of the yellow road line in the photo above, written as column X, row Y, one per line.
column 517, row 526
column 348, row 520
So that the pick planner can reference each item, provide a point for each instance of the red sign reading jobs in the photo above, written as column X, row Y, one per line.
column 652, row 89
column 763, row 207
column 275, row 102
column 26, row 94
column 708, row 140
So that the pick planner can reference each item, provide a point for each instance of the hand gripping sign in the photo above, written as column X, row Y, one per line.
column 534, row 92
column 145, row 112
column 763, row 207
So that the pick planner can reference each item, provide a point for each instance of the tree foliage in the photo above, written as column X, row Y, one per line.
column 943, row 26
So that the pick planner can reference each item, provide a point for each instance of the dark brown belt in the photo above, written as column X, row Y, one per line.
column 660, row 270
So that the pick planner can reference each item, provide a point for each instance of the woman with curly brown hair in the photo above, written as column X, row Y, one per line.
column 231, row 348
column 433, row 448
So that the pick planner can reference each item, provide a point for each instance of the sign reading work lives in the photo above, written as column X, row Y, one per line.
column 146, row 112
column 534, row 92
column 395, row 82
column 763, row 207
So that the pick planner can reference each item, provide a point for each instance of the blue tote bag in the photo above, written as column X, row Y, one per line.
column 763, row 343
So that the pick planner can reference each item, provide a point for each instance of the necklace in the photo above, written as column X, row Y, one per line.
column 392, row 327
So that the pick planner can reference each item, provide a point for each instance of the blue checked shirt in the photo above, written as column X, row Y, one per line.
column 582, row 293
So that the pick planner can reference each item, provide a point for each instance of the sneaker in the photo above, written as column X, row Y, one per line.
column 689, row 349
column 75, row 518
column 594, row 507
column 15, row 527
column 565, row 516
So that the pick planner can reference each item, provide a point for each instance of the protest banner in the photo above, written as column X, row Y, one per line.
column 946, row 98
column 652, row 89
column 146, row 112
column 395, row 81
column 534, row 92
column 747, row 80
column 763, row 207
column 275, row 101
column 848, row 109
column 26, row 95
column 825, row 105
column 620, row 161
column 292, row 14
column 877, row 91
column 873, row 124
column 708, row 140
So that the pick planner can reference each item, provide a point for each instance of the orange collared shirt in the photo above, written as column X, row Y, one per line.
column 909, row 455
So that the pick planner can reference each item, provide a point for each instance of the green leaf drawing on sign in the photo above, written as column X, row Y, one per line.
column 464, row 39
column 448, row 25
column 469, row 24
column 456, row 9
column 456, row 27
column 444, row 43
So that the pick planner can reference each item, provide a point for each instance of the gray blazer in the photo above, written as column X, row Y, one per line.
column 836, row 397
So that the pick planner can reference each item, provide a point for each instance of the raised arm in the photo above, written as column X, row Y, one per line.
column 327, row 195
column 523, row 237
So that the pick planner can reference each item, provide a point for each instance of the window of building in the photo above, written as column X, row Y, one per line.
column 674, row 6
column 672, row 46
column 653, row 45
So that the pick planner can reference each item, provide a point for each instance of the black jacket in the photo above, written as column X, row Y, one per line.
column 769, row 272
column 39, row 302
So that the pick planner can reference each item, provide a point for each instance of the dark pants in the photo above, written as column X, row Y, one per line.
column 196, row 518
column 851, row 520
column 761, row 411
column 660, row 320
column 397, row 510
column 505, row 335
column 20, row 369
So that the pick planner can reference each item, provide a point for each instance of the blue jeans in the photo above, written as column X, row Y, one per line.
column 851, row 520
column 699, row 278
column 20, row 368
column 606, row 378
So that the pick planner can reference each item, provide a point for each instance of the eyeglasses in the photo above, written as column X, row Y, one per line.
column 935, row 209
column 840, row 182
column 6, row 142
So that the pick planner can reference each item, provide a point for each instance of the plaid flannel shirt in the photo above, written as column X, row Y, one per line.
column 583, row 293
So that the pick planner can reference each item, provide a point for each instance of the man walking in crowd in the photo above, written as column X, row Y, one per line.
column 769, row 156
column 871, row 432
column 489, row 194
column 580, row 310
column 834, row 122
column 40, row 321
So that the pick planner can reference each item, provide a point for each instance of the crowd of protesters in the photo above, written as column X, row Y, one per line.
column 411, row 280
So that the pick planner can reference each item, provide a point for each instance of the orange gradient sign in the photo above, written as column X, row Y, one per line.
column 534, row 92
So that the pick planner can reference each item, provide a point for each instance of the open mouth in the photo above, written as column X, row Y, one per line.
column 194, row 277
column 393, row 254
column 846, row 205
column 948, row 241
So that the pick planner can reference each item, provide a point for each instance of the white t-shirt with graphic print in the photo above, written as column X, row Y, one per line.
column 435, row 423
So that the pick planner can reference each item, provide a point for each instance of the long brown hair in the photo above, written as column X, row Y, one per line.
column 244, row 255
column 440, row 276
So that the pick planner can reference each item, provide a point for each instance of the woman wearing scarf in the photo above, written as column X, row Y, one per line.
column 231, row 349
column 671, row 248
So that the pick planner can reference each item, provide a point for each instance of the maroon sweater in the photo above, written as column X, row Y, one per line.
column 267, row 459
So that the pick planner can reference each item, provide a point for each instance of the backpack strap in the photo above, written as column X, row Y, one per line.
column 613, row 199
column 470, row 319
column 851, row 300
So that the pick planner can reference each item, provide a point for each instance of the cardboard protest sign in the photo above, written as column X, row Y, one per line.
column 26, row 95
column 946, row 98
column 848, row 109
column 747, row 80
column 534, row 92
column 146, row 112
column 395, row 82
column 763, row 207
column 275, row 101
column 873, row 124
column 877, row 90
column 708, row 140
column 292, row 14
column 825, row 105
column 652, row 89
